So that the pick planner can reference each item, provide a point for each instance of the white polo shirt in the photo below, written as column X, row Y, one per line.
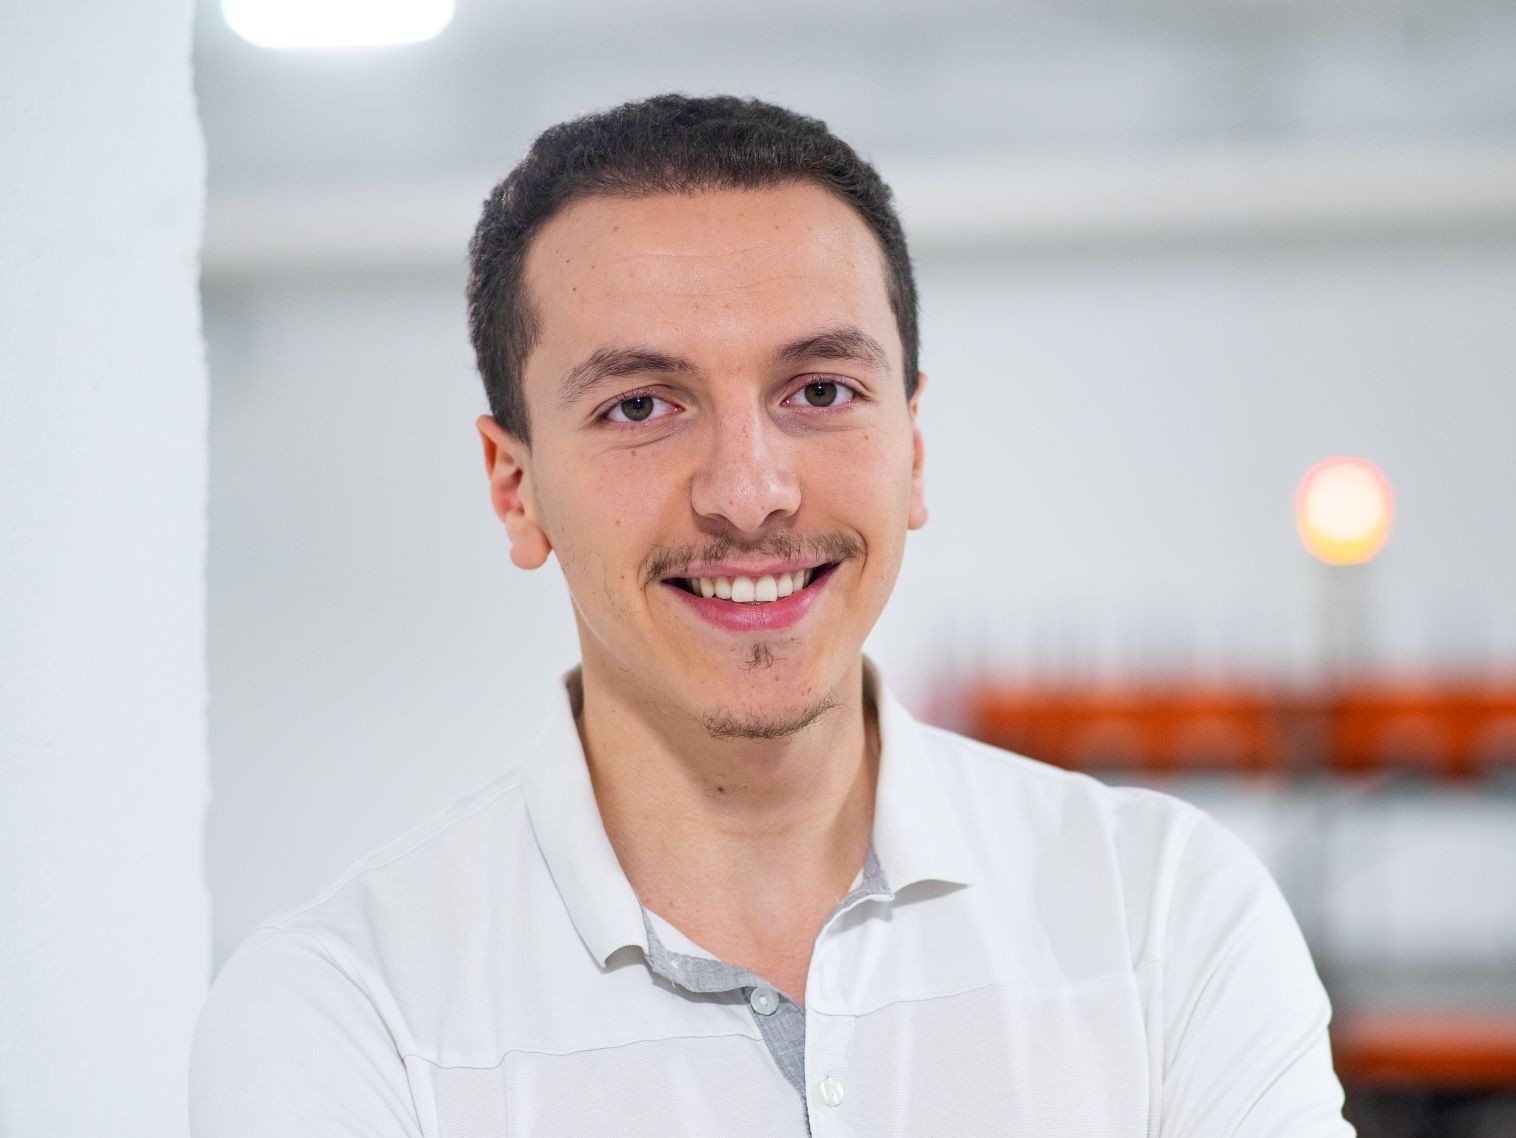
column 1031, row 952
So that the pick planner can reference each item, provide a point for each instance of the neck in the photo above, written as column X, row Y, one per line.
column 734, row 838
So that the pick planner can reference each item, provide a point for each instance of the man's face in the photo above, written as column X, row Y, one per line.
column 716, row 393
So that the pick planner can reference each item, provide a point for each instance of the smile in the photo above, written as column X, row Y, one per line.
column 759, row 590
column 765, row 602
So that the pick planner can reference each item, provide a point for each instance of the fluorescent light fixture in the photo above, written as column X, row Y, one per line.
column 336, row 23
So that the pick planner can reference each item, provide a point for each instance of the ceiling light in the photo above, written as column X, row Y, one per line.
column 336, row 23
column 1343, row 510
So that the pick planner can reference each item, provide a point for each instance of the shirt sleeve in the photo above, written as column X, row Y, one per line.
column 1246, row 1052
column 288, row 1045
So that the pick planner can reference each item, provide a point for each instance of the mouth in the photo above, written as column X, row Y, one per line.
column 752, row 604
column 761, row 589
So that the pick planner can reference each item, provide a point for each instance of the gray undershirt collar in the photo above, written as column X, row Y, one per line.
column 783, row 1028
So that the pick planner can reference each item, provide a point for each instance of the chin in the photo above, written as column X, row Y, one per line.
column 762, row 694
column 764, row 723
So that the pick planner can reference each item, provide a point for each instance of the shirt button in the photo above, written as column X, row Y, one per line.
column 765, row 1001
column 830, row 1091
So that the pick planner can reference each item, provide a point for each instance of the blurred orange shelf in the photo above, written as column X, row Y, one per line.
column 1443, row 727
column 1426, row 1050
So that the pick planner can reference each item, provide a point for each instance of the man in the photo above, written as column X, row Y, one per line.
column 732, row 888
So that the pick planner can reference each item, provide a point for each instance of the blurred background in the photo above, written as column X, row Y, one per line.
column 1172, row 255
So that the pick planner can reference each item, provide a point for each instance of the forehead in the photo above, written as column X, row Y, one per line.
column 710, row 276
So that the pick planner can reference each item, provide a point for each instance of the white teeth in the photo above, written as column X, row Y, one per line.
column 748, row 590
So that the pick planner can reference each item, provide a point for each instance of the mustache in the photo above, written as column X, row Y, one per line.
column 664, row 560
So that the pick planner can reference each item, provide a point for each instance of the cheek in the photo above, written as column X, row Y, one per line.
column 862, row 482
column 607, row 511
column 882, row 460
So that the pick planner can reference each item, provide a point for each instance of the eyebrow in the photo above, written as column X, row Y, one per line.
column 844, row 342
column 616, row 363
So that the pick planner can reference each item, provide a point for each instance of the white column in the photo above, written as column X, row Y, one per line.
column 104, row 915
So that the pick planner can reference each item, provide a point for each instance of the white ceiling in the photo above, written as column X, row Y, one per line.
column 902, row 79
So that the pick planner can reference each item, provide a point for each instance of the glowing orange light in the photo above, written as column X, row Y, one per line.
column 1343, row 510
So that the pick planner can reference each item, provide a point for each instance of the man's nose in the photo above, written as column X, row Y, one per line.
column 747, row 476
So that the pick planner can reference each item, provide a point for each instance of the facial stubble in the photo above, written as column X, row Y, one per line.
column 725, row 725
column 721, row 725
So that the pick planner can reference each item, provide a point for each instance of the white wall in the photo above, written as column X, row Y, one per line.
column 104, row 946
column 1114, row 434
column 373, row 653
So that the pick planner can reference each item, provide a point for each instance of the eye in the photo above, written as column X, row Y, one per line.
column 637, row 409
column 825, row 393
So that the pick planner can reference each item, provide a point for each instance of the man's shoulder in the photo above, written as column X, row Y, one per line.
column 443, row 866
column 983, row 776
column 1142, row 858
column 374, row 941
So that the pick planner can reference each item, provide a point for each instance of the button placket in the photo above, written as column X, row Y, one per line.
column 829, row 1075
column 830, row 1026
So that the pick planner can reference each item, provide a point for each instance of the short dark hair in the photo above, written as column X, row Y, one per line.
column 665, row 144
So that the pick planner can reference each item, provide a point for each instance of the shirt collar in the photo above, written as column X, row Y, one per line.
column 560, row 802
column 916, row 834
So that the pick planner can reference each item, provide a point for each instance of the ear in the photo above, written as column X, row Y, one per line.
column 917, row 517
column 507, row 462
